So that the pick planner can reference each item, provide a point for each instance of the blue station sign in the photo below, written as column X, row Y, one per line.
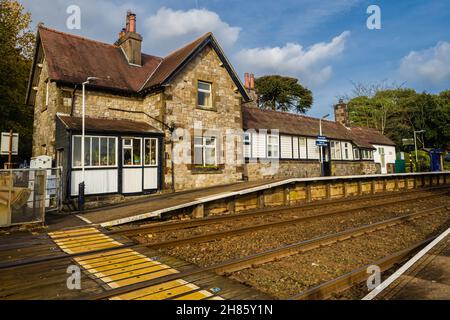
column 321, row 141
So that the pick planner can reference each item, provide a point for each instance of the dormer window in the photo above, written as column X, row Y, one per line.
column 204, row 94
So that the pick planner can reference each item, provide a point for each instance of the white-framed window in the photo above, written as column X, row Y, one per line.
column 247, row 145
column 346, row 150
column 205, row 151
column 286, row 147
column 204, row 94
column 150, row 151
column 356, row 153
column 302, row 148
column 132, row 152
column 367, row 154
column 335, row 150
column 273, row 146
column 99, row 151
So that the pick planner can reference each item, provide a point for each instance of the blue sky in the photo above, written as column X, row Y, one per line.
column 326, row 44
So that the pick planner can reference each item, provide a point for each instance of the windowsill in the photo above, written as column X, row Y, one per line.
column 207, row 108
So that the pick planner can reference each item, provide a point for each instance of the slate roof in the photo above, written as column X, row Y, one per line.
column 71, row 59
column 107, row 125
column 293, row 124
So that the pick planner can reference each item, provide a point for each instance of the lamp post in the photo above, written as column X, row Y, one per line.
column 321, row 147
column 81, row 187
column 415, row 143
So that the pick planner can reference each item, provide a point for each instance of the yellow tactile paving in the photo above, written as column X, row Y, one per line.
column 124, row 267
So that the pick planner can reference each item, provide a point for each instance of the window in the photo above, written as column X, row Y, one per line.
column 205, row 151
column 335, row 150
column 204, row 94
column 272, row 146
column 247, row 145
column 151, row 152
column 98, row 151
column 302, row 145
column 132, row 152
column 356, row 154
column 346, row 150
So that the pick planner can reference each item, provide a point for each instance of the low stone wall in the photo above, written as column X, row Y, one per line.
column 302, row 192
column 306, row 169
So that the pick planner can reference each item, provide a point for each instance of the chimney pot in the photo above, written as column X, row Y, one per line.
column 132, row 22
column 252, row 81
column 247, row 81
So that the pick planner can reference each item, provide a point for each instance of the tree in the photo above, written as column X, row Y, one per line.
column 283, row 93
column 398, row 112
column 16, row 50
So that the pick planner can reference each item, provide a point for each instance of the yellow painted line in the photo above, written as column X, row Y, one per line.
column 87, row 244
column 92, row 258
column 90, row 248
column 124, row 267
column 151, row 276
column 199, row 295
column 150, row 290
column 113, row 262
column 78, row 232
column 81, row 239
column 134, row 273
column 169, row 293
column 105, row 271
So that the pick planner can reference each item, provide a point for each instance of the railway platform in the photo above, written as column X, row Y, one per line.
column 245, row 196
column 425, row 277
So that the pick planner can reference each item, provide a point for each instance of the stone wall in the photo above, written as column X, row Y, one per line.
column 44, row 124
column 350, row 168
column 263, row 170
column 284, row 169
column 224, row 119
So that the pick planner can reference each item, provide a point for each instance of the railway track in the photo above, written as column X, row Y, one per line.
column 179, row 225
column 250, row 261
column 228, row 267
column 194, row 223
column 342, row 283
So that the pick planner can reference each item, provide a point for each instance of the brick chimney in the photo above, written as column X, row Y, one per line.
column 130, row 41
column 341, row 113
column 249, row 83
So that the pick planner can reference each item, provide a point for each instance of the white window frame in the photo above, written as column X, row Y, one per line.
column 302, row 143
column 156, row 152
column 248, row 143
column 132, row 152
column 356, row 154
column 275, row 146
column 346, row 150
column 89, row 165
column 335, row 148
column 205, row 91
column 204, row 147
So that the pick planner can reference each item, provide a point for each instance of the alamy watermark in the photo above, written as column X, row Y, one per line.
column 374, row 20
column 374, row 279
column 74, row 20
column 74, row 280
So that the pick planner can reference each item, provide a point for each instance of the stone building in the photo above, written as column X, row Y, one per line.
column 169, row 123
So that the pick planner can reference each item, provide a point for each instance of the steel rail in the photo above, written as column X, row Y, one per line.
column 271, row 255
column 170, row 226
column 325, row 290
column 44, row 259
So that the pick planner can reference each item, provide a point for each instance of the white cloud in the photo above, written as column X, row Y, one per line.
column 431, row 65
column 309, row 64
column 168, row 29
